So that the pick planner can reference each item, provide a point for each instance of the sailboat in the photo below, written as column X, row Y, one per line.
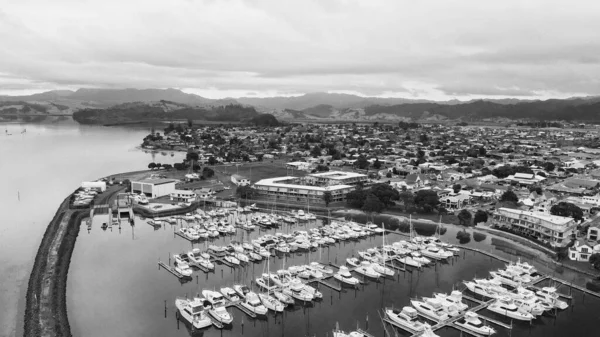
column 382, row 268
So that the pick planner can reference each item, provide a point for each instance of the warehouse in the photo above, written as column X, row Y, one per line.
column 154, row 188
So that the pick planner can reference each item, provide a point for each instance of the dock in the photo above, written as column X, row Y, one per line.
column 214, row 321
column 327, row 284
column 170, row 270
column 472, row 299
column 242, row 309
column 183, row 236
column 496, row 322
column 574, row 286
column 467, row 331
column 199, row 266
column 221, row 260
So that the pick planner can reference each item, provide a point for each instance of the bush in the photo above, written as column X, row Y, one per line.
column 478, row 237
column 463, row 237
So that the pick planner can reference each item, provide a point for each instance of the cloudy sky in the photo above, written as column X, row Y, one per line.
column 219, row 48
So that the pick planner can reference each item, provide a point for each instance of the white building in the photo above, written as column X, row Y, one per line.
column 239, row 180
column 582, row 251
column 183, row 196
column 95, row 185
column 552, row 229
column 154, row 188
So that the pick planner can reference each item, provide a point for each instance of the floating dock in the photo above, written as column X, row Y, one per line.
column 170, row 270
column 242, row 309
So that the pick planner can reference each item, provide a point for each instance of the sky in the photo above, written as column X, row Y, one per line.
column 230, row 48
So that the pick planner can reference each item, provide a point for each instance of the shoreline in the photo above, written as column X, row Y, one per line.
column 45, row 301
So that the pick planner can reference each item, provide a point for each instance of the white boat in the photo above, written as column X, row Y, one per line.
column 472, row 322
column 282, row 247
column 194, row 312
column 297, row 291
column 420, row 258
column 353, row 262
column 431, row 309
column 510, row 278
column 283, row 298
column 550, row 295
column 253, row 303
column 344, row 276
column 301, row 216
column 189, row 233
column 230, row 294
column 434, row 253
column 455, row 298
column 265, row 282
column 183, row 269
column 254, row 256
column 271, row 303
column 481, row 289
column 197, row 257
column 321, row 267
column 241, row 290
column 505, row 306
column 231, row 259
column 526, row 295
column 374, row 228
column 218, row 310
column 409, row 261
column 241, row 257
column 365, row 269
column 386, row 271
column 407, row 318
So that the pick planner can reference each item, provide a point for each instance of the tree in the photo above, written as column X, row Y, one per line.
column 152, row 166
column 212, row 160
column 190, row 122
column 361, row 162
column 595, row 260
column 549, row 166
column 207, row 172
column 356, row 198
column 536, row 188
column 478, row 237
column 167, row 166
column 427, row 197
column 245, row 192
column 464, row 217
column 377, row 164
column 385, row 193
column 509, row 196
column 456, row 188
column 482, row 151
column 316, row 151
column 322, row 168
column 480, row 216
column 192, row 156
column 372, row 204
column 388, row 175
column 567, row 209
column 463, row 237
column 327, row 198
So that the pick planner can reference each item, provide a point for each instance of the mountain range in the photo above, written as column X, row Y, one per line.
column 311, row 106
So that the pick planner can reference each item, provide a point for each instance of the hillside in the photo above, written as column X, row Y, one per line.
column 163, row 111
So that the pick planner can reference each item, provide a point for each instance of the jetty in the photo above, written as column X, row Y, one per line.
column 170, row 270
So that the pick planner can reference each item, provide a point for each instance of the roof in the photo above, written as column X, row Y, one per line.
column 280, row 182
column 155, row 181
column 554, row 219
column 338, row 175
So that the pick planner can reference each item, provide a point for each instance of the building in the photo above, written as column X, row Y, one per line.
column 154, row 188
column 552, row 229
column 332, row 178
column 100, row 186
column 183, row 196
column 582, row 250
column 239, row 180
column 310, row 189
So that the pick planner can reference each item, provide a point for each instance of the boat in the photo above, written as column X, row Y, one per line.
column 189, row 233
column 455, row 298
column 297, row 291
column 419, row 258
column 321, row 267
column 510, row 278
column 408, row 261
column 344, row 276
column 480, row 289
column 283, row 298
column 183, row 269
column 230, row 294
column 365, row 269
column 196, row 256
column 550, row 295
column 217, row 250
column 194, row 312
column 271, row 302
column 385, row 271
column 472, row 323
column 526, row 295
column 432, row 309
column 505, row 306
column 218, row 310
column 241, row 290
column 407, row 318
column 265, row 282
column 353, row 262
column 301, row 216
column 253, row 303
column 434, row 253
column 181, row 258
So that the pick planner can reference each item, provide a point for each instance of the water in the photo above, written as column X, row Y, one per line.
column 116, row 289
column 41, row 167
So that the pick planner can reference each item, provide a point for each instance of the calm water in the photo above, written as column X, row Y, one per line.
column 116, row 289
column 41, row 167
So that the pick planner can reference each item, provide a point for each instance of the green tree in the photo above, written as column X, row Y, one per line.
column 190, row 123
column 549, row 166
column 463, row 237
column 192, row 156
column 356, row 198
column 456, row 188
column 361, row 162
column 478, row 237
column 245, row 192
column 480, row 216
column 316, row 151
column 372, row 204
column 567, row 209
column 377, row 164
column 464, row 217
column 207, row 172
column 509, row 196
column 212, row 160
column 167, row 166
column 595, row 260
column 152, row 166
column 427, row 197
column 385, row 193
column 388, row 175
column 327, row 198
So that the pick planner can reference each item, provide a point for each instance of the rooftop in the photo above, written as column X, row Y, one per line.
column 155, row 181
column 555, row 219
column 280, row 182
column 339, row 175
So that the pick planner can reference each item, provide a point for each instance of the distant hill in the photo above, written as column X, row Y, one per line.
column 163, row 111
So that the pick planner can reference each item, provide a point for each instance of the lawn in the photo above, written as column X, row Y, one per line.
column 259, row 170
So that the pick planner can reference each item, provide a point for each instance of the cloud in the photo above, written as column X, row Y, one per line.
column 425, row 49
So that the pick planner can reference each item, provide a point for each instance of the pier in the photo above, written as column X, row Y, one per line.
column 327, row 284
column 241, row 308
column 170, row 270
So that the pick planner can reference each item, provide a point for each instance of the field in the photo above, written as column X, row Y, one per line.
column 259, row 170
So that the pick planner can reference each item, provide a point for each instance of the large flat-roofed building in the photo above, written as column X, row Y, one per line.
column 153, row 188
column 309, row 189
column 553, row 229
column 336, row 178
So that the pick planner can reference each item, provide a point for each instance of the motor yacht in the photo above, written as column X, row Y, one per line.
column 230, row 294
column 365, row 269
column 218, row 310
column 407, row 318
column 434, row 253
column 383, row 270
column 194, row 312
column 253, row 303
column 183, row 269
column 472, row 323
column 550, row 295
column 409, row 261
column 265, row 282
column 420, row 258
column 283, row 298
column 510, row 278
column 505, row 306
column 231, row 259
column 455, row 298
column 344, row 276
column 353, row 262
column 196, row 256
column 432, row 309
column 297, row 291
column 321, row 267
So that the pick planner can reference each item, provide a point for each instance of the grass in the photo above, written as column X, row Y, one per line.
column 259, row 170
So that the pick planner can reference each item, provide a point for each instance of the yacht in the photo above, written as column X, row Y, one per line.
column 505, row 306
column 189, row 233
column 409, row 261
column 365, row 269
column 550, row 295
column 231, row 259
column 472, row 323
column 434, row 253
column 374, row 228
column 282, row 247
column 353, row 262
column 241, row 290
column 297, row 291
column 385, row 271
column 283, row 298
column 509, row 278
column 252, row 302
column 194, row 312
column 529, row 296
column 407, row 318
column 230, row 294
column 344, row 276
column 481, row 289
column 301, row 216
column 241, row 257
column 197, row 257
column 271, row 302
column 431, row 309
column 321, row 267
column 420, row 258
column 265, row 282
column 217, row 250
column 455, row 298
column 181, row 258
column 184, row 269
column 218, row 311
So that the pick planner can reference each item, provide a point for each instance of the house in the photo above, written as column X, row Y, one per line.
column 183, row 196
column 417, row 180
column 455, row 200
column 582, row 250
column 240, row 180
